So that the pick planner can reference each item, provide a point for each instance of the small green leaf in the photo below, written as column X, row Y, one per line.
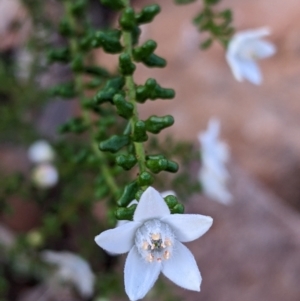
column 206, row 44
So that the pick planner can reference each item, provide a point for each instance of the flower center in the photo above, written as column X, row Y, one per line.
column 154, row 241
column 249, row 51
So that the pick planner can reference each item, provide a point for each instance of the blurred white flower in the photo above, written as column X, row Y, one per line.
column 40, row 152
column 153, row 240
column 7, row 239
column 44, row 175
column 244, row 49
column 70, row 268
column 24, row 61
column 213, row 174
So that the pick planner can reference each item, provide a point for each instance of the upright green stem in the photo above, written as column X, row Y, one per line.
column 131, row 95
column 86, row 114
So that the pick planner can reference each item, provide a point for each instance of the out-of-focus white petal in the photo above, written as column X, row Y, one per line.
column 188, row 227
column 214, row 188
column 44, row 175
column 250, row 34
column 215, row 165
column 182, row 268
column 118, row 240
column 235, row 66
column 213, row 174
column 73, row 269
column 151, row 205
column 139, row 275
column 262, row 49
column 40, row 152
column 212, row 133
column 251, row 71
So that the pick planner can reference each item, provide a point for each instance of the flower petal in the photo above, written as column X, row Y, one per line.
column 151, row 205
column 214, row 186
column 263, row 49
column 252, row 34
column 251, row 71
column 118, row 240
column 188, row 227
column 235, row 65
column 139, row 275
column 182, row 268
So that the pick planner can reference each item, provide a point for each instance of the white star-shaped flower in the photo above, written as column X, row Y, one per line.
column 244, row 49
column 40, row 152
column 213, row 174
column 153, row 240
column 72, row 269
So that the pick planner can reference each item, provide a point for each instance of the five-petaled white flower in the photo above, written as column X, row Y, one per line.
column 153, row 240
column 244, row 49
column 213, row 174
column 71, row 268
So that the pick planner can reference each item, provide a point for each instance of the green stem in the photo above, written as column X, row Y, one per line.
column 131, row 95
column 85, row 112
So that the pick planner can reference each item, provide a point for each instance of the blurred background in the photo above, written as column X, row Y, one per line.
column 252, row 251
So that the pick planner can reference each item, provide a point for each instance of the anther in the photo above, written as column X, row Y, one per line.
column 150, row 258
column 145, row 245
column 166, row 255
column 155, row 236
column 168, row 242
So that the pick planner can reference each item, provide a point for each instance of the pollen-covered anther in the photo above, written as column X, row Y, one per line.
column 145, row 245
column 167, row 255
column 167, row 242
column 155, row 236
column 149, row 257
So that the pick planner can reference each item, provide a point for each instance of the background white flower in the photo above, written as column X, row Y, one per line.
column 41, row 152
column 70, row 268
column 44, row 175
column 153, row 240
column 244, row 49
column 213, row 174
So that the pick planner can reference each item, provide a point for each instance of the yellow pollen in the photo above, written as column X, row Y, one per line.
column 155, row 236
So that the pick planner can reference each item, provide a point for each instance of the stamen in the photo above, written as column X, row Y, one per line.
column 168, row 242
column 145, row 245
column 155, row 236
column 154, row 241
column 167, row 255
column 150, row 258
